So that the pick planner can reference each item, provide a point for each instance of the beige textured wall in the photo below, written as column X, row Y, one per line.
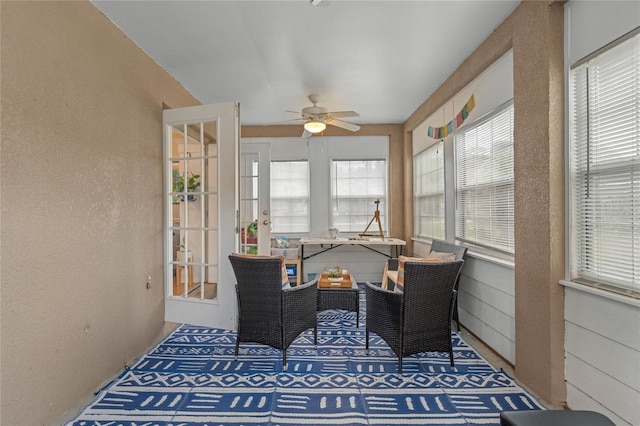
column 538, row 59
column 534, row 31
column 81, row 204
column 397, row 161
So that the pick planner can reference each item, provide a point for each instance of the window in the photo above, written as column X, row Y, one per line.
column 289, row 196
column 428, row 198
column 605, row 171
column 484, row 182
column 355, row 187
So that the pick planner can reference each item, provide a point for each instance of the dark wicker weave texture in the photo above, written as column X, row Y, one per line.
column 344, row 298
column 460, row 252
column 418, row 320
column 267, row 313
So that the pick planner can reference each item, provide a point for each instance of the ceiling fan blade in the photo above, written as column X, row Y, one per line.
column 294, row 112
column 343, row 124
column 306, row 134
column 343, row 114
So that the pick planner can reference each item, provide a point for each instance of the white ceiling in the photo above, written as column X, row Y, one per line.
column 379, row 58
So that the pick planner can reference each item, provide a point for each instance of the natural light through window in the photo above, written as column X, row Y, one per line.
column 428, row 172
column 289, row 197
column 605, row 173
column 355, row 186
column 484, row 182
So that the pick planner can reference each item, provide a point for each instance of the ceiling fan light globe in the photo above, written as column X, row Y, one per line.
column 315, row 126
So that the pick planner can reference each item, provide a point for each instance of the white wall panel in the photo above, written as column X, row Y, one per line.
column 489, row 315
column 602, row 345
column 613, row 359
column 500, row 300
column 491, row 273
column 591, row 25
column 585, row 402
column 488, row 335
column 620, row 322
column 486, row 304
column 607, row 390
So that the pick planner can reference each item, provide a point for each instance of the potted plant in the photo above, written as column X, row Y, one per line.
column 193, row 183
column 335, row 274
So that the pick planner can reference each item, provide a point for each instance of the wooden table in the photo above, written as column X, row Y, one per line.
column 333, row 296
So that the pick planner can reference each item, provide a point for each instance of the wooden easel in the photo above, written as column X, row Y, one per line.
column 376, row 217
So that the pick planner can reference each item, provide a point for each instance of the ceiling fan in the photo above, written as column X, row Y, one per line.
column 316, row 118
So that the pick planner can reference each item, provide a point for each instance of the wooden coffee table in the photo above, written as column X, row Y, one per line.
column 344, row 295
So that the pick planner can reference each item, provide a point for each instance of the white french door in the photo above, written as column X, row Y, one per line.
column 201, row 157
column 255, row 210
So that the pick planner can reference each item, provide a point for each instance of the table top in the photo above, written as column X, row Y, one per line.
column 352, row 281
column 366, row 241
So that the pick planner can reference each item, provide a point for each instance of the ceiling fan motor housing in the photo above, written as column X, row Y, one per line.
column 317, row 117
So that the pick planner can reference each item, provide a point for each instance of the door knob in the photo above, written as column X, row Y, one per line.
column 266, row 222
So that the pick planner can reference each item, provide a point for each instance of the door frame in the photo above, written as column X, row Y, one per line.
column 220, row 312
column 263, row 151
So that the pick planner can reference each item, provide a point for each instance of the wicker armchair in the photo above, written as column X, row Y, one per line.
column 267, row 313
column 442, row 247
column 419, row 319
column 460, row 252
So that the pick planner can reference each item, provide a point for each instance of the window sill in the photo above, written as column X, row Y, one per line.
column 476, row 255
column 493, row 259
column 627, row 300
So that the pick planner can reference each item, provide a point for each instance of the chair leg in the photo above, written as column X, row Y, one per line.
column 284, row 359
column 451, row 358
column 400, row 365
column 366, row 341
column 455, row 316
column 315, row 337
column 235, row 358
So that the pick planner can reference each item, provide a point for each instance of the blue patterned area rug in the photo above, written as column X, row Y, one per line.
column 191, row 378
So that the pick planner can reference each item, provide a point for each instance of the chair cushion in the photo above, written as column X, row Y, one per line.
column 554, row 418
column 436, row 256
column 285, row 276
column 433, row 257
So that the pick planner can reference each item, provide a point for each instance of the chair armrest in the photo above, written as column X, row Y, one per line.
column 387, row 321
column 300, row 301
column 294, row 288
column 381, row 292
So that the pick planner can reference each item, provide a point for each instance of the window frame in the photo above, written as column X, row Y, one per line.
column 601, row 172
column 506, row 251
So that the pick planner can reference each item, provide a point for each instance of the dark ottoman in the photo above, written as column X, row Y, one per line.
column 554, row 418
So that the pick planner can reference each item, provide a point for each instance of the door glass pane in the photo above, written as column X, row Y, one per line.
column 194, row 213
column 249, row 203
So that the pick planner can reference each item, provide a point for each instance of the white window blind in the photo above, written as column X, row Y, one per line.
column 484, row 182
column 289, row 196
column 355, row 186
column 428, row 197
column 605, row 169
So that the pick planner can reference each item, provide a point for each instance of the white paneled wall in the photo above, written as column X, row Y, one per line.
column 486, row 301
column 602, row 345
column 486, row 304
